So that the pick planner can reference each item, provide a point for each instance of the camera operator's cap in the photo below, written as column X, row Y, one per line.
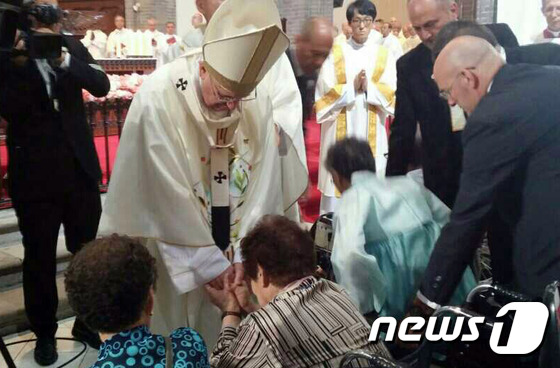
column 242, row 41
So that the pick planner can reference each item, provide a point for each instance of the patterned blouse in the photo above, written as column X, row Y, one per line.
column 138, row 348
column 311, row 325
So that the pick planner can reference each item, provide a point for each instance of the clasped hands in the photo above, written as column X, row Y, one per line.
column 230, row 292
column 361, row 82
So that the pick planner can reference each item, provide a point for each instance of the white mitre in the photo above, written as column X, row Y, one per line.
column 242, row 42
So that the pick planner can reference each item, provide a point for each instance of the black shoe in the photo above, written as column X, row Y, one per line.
column 81, row 332
column 45, row 351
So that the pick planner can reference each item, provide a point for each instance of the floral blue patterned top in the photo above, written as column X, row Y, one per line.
column 138, row 348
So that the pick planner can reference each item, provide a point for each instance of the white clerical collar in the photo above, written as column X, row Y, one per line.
column 355, row 45
column 215, row 119
column 490, row 85
column 556, row 34
column 502, row 52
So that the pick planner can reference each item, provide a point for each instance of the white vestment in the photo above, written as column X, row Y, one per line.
column 115, row 42
column 394, row 45
column 344, row 113
column 148, row 49
column 98, row 46
column 539, row 38
column 163, row 54
column 161, row 186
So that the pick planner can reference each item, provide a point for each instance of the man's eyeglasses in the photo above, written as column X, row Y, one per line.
column 446, row 93
column 366, row 21
column 230, row 99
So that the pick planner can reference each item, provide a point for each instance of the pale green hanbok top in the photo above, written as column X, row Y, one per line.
column 384, row 233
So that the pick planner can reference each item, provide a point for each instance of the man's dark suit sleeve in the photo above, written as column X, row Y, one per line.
column 403, row 129
column 491, row 153
column 87, row 73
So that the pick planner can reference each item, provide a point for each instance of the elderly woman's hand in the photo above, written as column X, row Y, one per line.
column 223, row 298
column 243, row 295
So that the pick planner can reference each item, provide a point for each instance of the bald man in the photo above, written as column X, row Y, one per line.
column 312, row 47
column 510, row 167
column 53, row 168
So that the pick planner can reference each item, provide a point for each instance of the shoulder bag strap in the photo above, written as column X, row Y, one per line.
column 168, row 352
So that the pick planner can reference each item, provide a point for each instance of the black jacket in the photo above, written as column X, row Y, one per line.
column 418, row 101
column 48, row 150
column 511, row 167
column 306, row 85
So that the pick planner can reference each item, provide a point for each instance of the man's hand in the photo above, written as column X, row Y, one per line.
column 20, row 60
column 239, row 274
column 154, row 42
column 359, row 82
column 219, row 282
column 171, row 41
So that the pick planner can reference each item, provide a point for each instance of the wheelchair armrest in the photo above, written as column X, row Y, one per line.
column 373, row 361
column 499, row 291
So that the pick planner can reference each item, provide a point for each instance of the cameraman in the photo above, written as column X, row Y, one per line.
column 53, row 169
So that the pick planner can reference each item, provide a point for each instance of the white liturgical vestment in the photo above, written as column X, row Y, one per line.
column 161, row 186
column 119, row 43
column 98, row 46
column 342, row 112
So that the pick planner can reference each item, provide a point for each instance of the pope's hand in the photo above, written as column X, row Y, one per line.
column 239, row 274
column 219, row 282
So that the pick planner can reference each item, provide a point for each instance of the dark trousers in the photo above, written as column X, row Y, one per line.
column 79, row 210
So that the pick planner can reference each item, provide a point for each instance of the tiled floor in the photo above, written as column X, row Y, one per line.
column 22, row 354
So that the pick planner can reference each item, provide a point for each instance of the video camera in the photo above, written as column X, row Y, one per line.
column 14, row 15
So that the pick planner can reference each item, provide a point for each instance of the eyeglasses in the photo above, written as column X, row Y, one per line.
column 366, row 21
column 229, row 99
column 446, row 94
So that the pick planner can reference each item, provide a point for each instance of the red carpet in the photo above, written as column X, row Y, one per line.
column 311, row 202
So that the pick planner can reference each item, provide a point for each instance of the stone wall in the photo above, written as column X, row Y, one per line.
column 486, row 11
column 162, row 10
column 483, row 11
column 297, row 11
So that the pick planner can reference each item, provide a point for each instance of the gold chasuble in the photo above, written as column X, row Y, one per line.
column 342, row 112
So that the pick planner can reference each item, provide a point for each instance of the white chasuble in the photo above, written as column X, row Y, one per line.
column 119, row 43
column 344, row 113
column 161, row 186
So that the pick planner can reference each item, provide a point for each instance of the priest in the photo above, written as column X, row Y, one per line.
column 168, row 40
column 197, row 163
column 120, row 40
column 355, row 93
column 151, row 39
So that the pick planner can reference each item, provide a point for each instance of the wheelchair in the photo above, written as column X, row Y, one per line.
column 485, row 298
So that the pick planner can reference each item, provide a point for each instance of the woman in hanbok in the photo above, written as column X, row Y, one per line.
column 384, row 232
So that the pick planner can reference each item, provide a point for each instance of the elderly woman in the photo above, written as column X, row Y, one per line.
column 300, row 321
column 384, row 232
column 110, row 286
